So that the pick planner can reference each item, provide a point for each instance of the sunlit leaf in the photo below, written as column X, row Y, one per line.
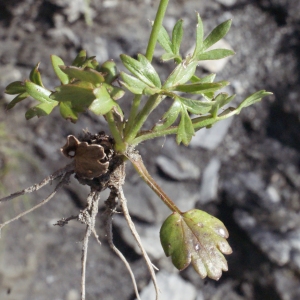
column 56, row 63
column 109, row 70
column 149, row 70
column 199, row 36
column 38, row 93
column 219, row 32
column 198, row 238
column 215, row 54
column 133, row 84
column 200, row 88
column 35, row 75
column 164, row 40
column 195, row 106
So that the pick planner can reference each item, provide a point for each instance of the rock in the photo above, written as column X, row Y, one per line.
column 287, row 284
column 226, row 2
column 212, row 137
column 209, row 183
column 171, row 286
column 178, row 168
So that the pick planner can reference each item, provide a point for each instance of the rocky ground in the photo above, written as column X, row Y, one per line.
column 244, row 170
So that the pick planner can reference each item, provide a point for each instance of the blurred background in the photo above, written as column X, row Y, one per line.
column 244, row 170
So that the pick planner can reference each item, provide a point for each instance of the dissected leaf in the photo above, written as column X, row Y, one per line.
column 181, row 74
column 216, row 34
column 177, row 36
column 185, row 130
column 88, row 75
column 256, row 97
column 149, row 70
column 35, row 75
column 195, row 106
column 164, row 40
column 215, row 54
column 56, row 63
column 198, row 238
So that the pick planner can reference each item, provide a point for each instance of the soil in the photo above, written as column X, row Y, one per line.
column 255, row 174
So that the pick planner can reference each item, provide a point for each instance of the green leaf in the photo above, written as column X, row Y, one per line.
column 40, row 110
column 80, row 59
column 16, row 87
column 219, row 32
column 16, row 100
column 195, row 106
column 79, row 94
column 140, row 68
column 199, row 36
column 215, row 54
column 181, row 74
column 88, row 75
column 169, row 56
column 198, row 238
column 133, row 84
column 115, row 92
column 177, row 36
column 38, row 93
column 169, row 116
column 68, row 112
column 207, row 79
column 109, row 69
column 201, row 88
column 164, row 40
column 35, row 75
column 256, row 97
column 103, row 102
column 149, row 71
column 185, row 128
column 56, row 63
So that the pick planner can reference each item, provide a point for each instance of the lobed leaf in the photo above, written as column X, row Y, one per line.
column 133, row 84
column 195, row 106
column 198, row 238
column 149, row 70
column 185, row 130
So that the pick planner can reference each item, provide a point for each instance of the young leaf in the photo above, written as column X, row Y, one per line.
column 35, row 75
column 169, row 116
column 140, row 68
column 217, row 33
column 109, row 69
column 40, row 110
column 38, row 93
column 177, row 36
column 181, row 74
column 185, row 130
column 199, row 36
column 164, row 40
column 115, row 92
column 133, row 84
column 16, row 87
column 16, row 100
column 256, row 97
column 56, row 63
column 79, row 59
column 198, row 238
column 215, row 54
column 88, row 75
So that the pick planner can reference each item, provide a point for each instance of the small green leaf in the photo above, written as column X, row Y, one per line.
column 40, row 110
column 181, row 74
column 140, row 70
column 219, row 32
column 133, row 84
column 177, row 36
column 37, row 92
column 215, row 54
column 103, row 102
column 199, row 36
column 169, row 56
column 198, row 238
column 115, row 92
column 68, row 112
column 195, row 106
column 207, row 79
column 185, row 128
column 109, row 69
column 256, row 97
column 88, row 75
column 56, row 63
column 35, row 75
column 16, row 87
column 80, row 59
column 169, row 116
column 201, row 88
column 164, row 40
column 149, row 71
column 16, row 100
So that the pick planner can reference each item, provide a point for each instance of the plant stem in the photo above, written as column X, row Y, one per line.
column 133, row 112
column 142, row 116
column 156, row 27
column 120, row 145
column 138, row 164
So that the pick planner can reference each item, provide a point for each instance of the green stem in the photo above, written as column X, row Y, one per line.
column 142, row 116
column 155, row 28
column 139, row 166
column 120, row 146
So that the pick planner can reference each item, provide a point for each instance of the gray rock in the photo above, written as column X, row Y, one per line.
column 287, row 284
column 209, row 183
column 226, row 2
column 211, row 138
column 171, row 286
